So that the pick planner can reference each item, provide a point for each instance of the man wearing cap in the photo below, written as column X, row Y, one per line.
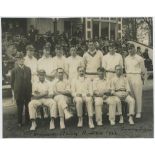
column 120, row 88
column 82, row 93
column 102, row 94
column 62, row 93
column 110, row 60
column 92, row 60
column 21, row 86
column 73, row 62
column 45, row 63
column 135, row 70
column 59, row 61
column 31, row 62
column 40, row 96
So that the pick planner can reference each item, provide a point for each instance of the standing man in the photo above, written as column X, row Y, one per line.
column 21, row 86
column 59, row 61
column 102, row 94
column 82, row 93
column 120, row 88
column 135, row 70
column 73, row 62
column 45, row 63
column 41, row 97
column 62, row 94
column 31, row 62
column 110, row 60
column 92, row 60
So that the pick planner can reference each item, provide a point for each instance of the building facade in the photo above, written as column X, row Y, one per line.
column 90, row 28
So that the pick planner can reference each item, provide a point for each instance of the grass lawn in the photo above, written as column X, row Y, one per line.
column 143, row 127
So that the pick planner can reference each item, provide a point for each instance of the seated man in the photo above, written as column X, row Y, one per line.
column 120, row 88
column 102, row 93
column 40, row 97
column 61, row 96
column 82, row 93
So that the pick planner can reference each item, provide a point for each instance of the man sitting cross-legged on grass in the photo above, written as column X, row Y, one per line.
column 120, row 88
column 40, row 97
column 102, row 93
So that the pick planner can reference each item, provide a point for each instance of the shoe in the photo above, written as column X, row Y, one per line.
column 52, row 126
column 131, row 122
column 62, row 125
column 68, row 115
column 138, row 115
column 80, row 123
column 121, row 121
column 33, row 126
column 99, row 123
column 91, row 124
column 112, row 122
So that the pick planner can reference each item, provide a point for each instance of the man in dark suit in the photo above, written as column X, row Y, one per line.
column 22, row 87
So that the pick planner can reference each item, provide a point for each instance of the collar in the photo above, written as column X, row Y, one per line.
column 112, row 54
column 133, row 56
column 92, row 54
column 119, row 77
column 43, row 81
column 82, row 78
column 27, row 57
column 22, row 67
column 43, row 57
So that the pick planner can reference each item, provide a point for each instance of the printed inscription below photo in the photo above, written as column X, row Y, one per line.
column 77, row 77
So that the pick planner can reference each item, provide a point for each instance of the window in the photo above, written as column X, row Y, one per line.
column 119, row 26
column 88, row 34
column 119, row 19
column 119, row 35
column 88, row 25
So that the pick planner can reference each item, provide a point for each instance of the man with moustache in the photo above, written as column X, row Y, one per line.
column 22, row 87
column 82, row 94
column 121, row 89
column 62, row 94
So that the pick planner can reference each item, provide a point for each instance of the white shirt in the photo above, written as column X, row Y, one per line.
column 73, row 63
column 45, row 64
column 81, row 85
column 31, row 63
column 110, row 61
column 101, row 85
column 41, row 87
column 59, row 63
column 119, row 83
column 92, row 62
column 134, row 64
column 61, row 85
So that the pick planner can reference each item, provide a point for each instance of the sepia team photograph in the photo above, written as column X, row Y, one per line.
column 77, row 77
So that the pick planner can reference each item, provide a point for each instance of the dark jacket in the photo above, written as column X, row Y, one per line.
column 21, row 82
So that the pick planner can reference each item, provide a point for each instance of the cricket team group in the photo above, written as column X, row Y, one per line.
column 87, row 82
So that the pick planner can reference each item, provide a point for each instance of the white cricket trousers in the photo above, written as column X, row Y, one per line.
column 111, row 101
column 61, row 102
column 129, row 100
column 34, row 104
column 79, row 105
column 135, row 83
